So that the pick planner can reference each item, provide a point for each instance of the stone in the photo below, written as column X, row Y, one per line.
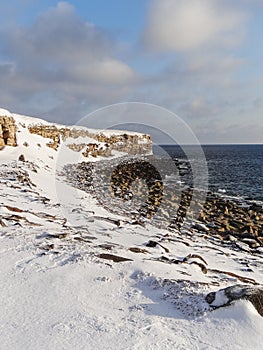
column 7, row 131
column 103, row 145
column 251, row 242
column 226, row 296
column 112, row 257
column 237, row 221
column 256, row 207
column 200, row 227
column 2, row 223
column 138, row 250
column 47, row 131
column 21, row 158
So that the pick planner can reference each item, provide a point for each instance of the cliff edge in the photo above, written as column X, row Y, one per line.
column 90, row 142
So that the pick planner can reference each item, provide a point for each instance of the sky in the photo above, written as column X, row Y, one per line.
column 200, row 59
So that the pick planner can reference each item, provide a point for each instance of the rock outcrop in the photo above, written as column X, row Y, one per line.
column 49, row 132
column 93, row 143
column 7, row 131
column 123, row 142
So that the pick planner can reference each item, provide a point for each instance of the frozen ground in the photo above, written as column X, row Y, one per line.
column 62, row 286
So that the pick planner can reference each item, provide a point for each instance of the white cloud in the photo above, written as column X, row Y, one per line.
column 104, row 71
column 59, row 60
column 199, row 38
column 60, row 67
column 185, row 25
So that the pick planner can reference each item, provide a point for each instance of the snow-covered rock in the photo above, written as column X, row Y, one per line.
column 90, row 142
column 75, row 275
column 226, row 296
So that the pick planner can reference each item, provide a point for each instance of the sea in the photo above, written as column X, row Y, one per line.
column 234, row 171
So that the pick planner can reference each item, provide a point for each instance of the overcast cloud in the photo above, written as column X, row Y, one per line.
column 61, row 61
column 187, row 57
column 189, row 25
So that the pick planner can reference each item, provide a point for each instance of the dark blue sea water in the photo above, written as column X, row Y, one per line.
column 234, row 170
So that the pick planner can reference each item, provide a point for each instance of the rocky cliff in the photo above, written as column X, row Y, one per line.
column 7, row 130
column 102, row 144
column 79, row 139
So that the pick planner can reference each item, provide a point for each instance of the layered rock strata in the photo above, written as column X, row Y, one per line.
column 7, row 131
column 128, row 143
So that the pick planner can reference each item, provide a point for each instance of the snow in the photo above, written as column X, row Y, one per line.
column 84, row 305
column 4, row 113
column 28, row 121
column 57, row 293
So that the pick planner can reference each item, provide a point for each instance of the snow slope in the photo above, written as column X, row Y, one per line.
column 62, row 289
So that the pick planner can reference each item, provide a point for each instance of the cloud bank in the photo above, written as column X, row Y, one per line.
column 195, row 57
column 61, row 61
column 182, row 26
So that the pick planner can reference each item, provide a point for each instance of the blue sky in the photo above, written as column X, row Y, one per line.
column 201, row 59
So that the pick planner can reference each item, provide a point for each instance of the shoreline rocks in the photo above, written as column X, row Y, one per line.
column 231, row 219
column 134, row 187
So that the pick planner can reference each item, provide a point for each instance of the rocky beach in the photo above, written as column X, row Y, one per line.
column 104, row 246
column 136, row 188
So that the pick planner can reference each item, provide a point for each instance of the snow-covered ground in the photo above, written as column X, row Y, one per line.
column 74, row 276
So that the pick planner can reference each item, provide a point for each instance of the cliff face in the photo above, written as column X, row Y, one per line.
column 87, row 141
column 102, row 144
column 7, row 131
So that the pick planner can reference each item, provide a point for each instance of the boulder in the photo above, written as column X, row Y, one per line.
column 7, row 131
column 226, row 296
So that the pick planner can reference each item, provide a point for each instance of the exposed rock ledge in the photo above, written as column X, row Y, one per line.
column 7, row 129
column 102, row 145
column 93, row 143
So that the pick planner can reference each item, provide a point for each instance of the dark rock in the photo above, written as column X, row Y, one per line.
column 114, row 258
column 17, row 210
column 21, row 158
column 151, row 244
column 138, row 250
column 256, row 207
column 226, row 296
column 2, row 223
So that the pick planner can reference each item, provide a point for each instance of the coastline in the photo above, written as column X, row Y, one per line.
column 225, row 219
